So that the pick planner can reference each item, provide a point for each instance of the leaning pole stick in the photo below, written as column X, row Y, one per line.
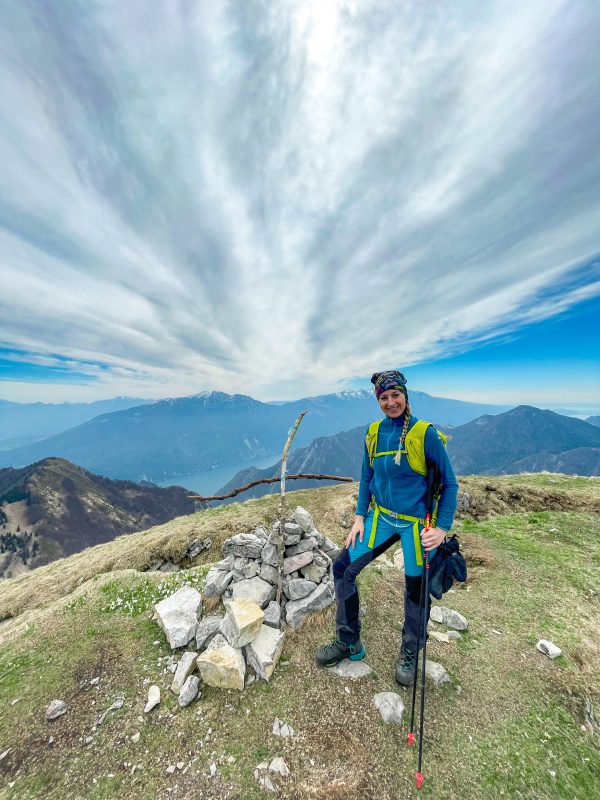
column 280, row 538
column 300, row 475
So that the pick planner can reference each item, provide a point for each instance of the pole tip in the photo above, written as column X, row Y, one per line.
column 419, row 779
column 411, row 739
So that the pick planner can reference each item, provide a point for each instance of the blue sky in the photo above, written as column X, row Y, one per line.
column 279, row 198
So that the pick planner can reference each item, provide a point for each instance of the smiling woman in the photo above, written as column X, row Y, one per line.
column 391, row 508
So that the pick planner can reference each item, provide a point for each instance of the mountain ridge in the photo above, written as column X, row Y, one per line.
column 175, row 437
column 341, row 454
column 54, row 508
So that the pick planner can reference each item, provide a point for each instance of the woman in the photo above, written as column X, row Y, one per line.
column 392, row 507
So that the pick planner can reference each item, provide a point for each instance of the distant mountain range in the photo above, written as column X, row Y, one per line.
column 524, row 439
column 174, row 438
column 54, row 508
column 594, row 421
column 24, row 423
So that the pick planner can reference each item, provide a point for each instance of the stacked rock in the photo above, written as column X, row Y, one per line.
column 224, row 645
column 249, row 570
column 249, row 634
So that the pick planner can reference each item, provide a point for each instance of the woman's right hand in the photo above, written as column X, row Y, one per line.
column 358, row 529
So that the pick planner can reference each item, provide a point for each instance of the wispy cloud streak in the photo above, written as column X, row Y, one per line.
column 284, row 194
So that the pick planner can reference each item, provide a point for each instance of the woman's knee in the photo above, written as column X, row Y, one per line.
column 340, row 564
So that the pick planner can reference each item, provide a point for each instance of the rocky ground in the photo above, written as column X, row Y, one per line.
column 503, row 718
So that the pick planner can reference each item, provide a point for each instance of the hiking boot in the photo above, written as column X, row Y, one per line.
column 330, row 654
column 405, row 667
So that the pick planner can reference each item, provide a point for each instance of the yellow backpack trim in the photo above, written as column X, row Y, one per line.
column 414, row 443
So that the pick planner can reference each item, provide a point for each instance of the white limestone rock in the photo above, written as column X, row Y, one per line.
column 56, row 709
column 328, row 546
column 390, row 706
column 302, row 547
column 189, row 691
column 242, row 622
column 448, row 617
column 270, row 554
column 178, row 615
column 246, row 545
column 153, row 698
column 548, row 648
column 282, row 729
column 350, row 669
column 314, row 573
column 222, row 665
column 297, row 562
column 279, row 767
column 303, row 519
column 217, row 581
column 254, row 589
column 296, row 610
column 292, row 529
column 269, row 574
column 439, row 637
column 263, row 653
column 198, row 546
column 298, row 588
column 207, row 627
column 436, row 672
column 318, row 537
column 187, row 664
column 273, row 614
column 261, row 533
column 248, row 567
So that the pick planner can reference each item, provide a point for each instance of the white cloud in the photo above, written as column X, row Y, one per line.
column 279, row 195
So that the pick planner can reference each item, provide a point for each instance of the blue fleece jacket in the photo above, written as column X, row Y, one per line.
column 398, row 487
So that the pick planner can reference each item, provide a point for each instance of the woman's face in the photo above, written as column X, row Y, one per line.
column 392, row 402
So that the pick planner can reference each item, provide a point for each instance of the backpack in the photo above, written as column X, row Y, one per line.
column 414, row 444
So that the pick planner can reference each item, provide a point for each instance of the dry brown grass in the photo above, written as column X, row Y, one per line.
column 331, row 507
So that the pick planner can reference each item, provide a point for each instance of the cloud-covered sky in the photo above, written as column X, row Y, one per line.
column 279, row 197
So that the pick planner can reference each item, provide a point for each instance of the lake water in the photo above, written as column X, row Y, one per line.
column 208, row 481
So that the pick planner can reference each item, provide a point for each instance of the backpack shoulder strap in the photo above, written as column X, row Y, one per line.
column 415, row 446
column 371, row 439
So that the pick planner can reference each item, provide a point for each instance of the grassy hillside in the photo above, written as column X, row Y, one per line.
column 509, row 725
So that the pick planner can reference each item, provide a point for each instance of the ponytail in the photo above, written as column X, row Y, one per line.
column 398, row 456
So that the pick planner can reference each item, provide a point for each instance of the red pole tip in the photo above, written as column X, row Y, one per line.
column 419, row 779
column 411, row 739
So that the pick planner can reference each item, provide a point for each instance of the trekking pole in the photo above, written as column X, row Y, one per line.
column 411, row 735
column 418, row 773
column 423, row 619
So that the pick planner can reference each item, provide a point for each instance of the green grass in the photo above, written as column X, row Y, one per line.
column 516, row 718
column 141, row 593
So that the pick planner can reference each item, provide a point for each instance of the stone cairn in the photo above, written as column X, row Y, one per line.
column 249, row 633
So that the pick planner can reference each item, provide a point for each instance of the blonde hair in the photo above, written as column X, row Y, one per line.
column 398, row 456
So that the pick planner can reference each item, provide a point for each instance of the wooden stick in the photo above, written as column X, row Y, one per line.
column 280, row 538
column 247, row 486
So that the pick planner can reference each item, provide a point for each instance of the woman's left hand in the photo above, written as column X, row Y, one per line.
column 432, row 538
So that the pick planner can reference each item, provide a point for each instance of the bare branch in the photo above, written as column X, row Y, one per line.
column 240, row 489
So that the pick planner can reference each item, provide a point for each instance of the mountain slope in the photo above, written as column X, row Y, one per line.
column 178, row 437
column 524, row 439
column 22, row 423
column 54, row 508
